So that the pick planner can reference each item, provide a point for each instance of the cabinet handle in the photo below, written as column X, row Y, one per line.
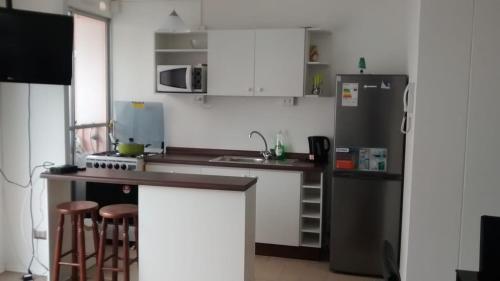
column 250, row 89
column 261, row 89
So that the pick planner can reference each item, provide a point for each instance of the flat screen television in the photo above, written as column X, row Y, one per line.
column 35, row 47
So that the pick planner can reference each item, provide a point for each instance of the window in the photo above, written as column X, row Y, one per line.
column 89, row 102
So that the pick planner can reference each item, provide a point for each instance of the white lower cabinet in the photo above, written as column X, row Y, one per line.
column 277, row 201
column 278, row 207
column 173, row 168
column 230, row 172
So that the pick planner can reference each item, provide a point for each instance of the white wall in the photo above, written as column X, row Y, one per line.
column 374, row 29
column 435, row 201
column 2, row 204
column 482, row 190
column 47, row 127
column 413, row 44
column 2, row 210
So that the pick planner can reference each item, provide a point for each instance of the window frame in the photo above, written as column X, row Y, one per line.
column 72, row 126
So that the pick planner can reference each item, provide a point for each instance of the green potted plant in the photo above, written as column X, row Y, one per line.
column 317, row 82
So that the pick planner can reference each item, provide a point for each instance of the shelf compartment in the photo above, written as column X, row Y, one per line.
column 311, row 210
column 188, row 40
column 181, row 58
column 310, row 225
column 312, row 180
column 311, row 195
column 310, row 240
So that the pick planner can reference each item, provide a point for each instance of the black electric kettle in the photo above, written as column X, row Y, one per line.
column 319, row 147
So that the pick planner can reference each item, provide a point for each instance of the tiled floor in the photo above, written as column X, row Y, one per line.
column 280, row 269
column 11, row 276
column 266, row 269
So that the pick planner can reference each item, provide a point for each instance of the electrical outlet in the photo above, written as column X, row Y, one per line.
column 201, row 99
column 289, row 101
column 40, row 234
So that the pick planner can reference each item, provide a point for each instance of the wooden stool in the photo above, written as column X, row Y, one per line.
column 77, row 210
column 116, row 213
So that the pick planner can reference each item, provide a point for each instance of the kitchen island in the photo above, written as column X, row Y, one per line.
column 191, row 227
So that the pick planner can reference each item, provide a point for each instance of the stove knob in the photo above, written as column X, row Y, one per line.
column 103, row 165
column 96, row 165
column 117, row 166
column 110, row 166
column 124, row 167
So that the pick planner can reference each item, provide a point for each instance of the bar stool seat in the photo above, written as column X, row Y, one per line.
column 77, row 210
column 77, row 207
column 117, row 213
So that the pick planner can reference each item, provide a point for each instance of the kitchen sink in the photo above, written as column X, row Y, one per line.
column 252, row 160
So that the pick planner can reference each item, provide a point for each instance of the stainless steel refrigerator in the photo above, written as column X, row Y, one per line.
column 368, row 171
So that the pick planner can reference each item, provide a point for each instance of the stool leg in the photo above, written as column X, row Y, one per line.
column 74, row 247
column 59, row 240
column 95, row 232
column 81, row 249
column 126, row 258
column 114, row 274
column 102, row 251
column 136, row 235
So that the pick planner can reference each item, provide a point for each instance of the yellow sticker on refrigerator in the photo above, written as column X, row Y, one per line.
column 350, row 94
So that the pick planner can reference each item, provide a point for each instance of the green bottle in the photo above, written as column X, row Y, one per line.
column 279, row 149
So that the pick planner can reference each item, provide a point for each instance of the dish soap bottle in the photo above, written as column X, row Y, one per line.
column 280, row 146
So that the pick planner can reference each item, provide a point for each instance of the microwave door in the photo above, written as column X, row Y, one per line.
column 175, row 79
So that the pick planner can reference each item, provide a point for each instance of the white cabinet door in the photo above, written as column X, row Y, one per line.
column 230, row 172
column 231, row 62
column 278, row 207
column 173, row 168
column 279, row 62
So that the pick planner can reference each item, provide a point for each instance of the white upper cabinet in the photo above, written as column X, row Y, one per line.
column 231, row 62
column 264, row 62
column 279, row 62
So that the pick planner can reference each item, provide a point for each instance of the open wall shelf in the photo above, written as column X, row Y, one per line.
column 188, row 48
column 311, row 220
column 320, row 38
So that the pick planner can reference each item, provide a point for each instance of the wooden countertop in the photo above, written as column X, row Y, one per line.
column 200, row 156
column 157, row 179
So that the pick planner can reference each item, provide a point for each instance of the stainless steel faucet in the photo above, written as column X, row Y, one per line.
column 265, row 153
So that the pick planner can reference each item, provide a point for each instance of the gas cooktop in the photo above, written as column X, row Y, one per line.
column 116, row 161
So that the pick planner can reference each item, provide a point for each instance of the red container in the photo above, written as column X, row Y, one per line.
column 344, row 164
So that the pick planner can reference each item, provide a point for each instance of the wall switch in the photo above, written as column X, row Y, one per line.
column 40, row 234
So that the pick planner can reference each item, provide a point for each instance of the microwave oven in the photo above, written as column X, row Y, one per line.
column 181, row 78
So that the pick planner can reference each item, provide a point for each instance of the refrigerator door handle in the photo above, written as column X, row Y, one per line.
column 370, row 86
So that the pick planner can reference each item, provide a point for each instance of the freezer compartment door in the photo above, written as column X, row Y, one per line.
column 365, row 212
